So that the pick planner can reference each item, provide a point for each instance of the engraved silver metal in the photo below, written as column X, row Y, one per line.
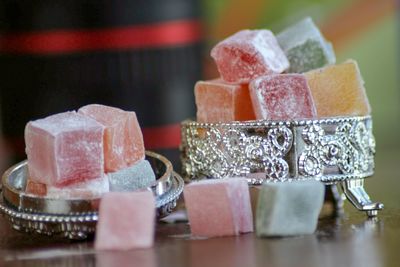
column 330, row 150
column 75, row 218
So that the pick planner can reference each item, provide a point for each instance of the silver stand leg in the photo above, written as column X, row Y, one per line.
column 356, row 194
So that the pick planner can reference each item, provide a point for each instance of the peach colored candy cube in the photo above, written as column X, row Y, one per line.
column 248, row 54
column 338, row 90
column 64, row 148
column 123, row 139
column 282, row 97
column 218, row 101
column 219, row 207
column 126, row 221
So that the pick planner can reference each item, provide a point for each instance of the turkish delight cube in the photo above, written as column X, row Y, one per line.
column 219, row 207
column 123, row 139
column 305, row 47
column 137, row 176
column 248, row 54
column 338, row 90
column 289, row 208
column 64, row 148
column 126, row 221
column 282, row 97
column 218, row 101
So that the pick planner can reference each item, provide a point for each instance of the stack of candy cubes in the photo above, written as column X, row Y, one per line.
column 265, row 77
column 96, row 152
column 85, row 154
column 284, row 77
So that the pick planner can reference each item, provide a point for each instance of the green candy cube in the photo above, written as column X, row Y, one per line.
column 305, row 47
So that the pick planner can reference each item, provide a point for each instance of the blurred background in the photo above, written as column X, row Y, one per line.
column 146, row 55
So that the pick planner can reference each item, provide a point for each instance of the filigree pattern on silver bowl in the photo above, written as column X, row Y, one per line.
column 330, row 150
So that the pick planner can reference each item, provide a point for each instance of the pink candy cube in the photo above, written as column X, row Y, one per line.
column 248, row 54
column 64, row 148
column 218, row 101
column 126, row 221
column 123, row 140
column 219, row 207
column 282, row 97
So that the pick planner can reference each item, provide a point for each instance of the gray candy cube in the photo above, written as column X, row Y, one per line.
column 289, row 208
column 137, row 176
column 305, row 47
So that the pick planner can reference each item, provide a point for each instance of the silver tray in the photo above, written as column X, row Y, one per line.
column 75, row 218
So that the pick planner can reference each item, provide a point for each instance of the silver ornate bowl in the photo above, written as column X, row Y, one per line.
column 331, row 150
column 75, row 218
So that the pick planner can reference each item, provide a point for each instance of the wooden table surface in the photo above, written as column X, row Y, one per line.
column 349, row 240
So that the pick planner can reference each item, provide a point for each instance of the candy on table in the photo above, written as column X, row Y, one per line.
column 248, row 54
column 282, row 97
column 123, row 140
column 338, row 90
column 286, row 209
column 305, row 47
column 64, row 148
column 135, row 177
column 93, row 188
column 126, row 221
column 218, row 207
column 218, row 101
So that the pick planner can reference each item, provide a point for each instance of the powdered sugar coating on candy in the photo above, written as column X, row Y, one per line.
column 248, row 54
column 305, row 47
column 137, row 176
column 282, row 97
column 338, row 90
column 93, row 188
column 219, row 207
column 286, row 209
column 64, row 148
column 123, row 139
column 126, row 221
column 218, row 101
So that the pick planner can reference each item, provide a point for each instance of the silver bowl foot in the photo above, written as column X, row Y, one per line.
column 356, row 194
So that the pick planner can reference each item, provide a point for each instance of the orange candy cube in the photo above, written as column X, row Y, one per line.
column 218, row 101
column 338, row 90
column 123, row 139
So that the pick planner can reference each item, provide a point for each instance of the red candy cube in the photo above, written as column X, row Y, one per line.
column 282, row 97
column 248, row 54
column 218, row 101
